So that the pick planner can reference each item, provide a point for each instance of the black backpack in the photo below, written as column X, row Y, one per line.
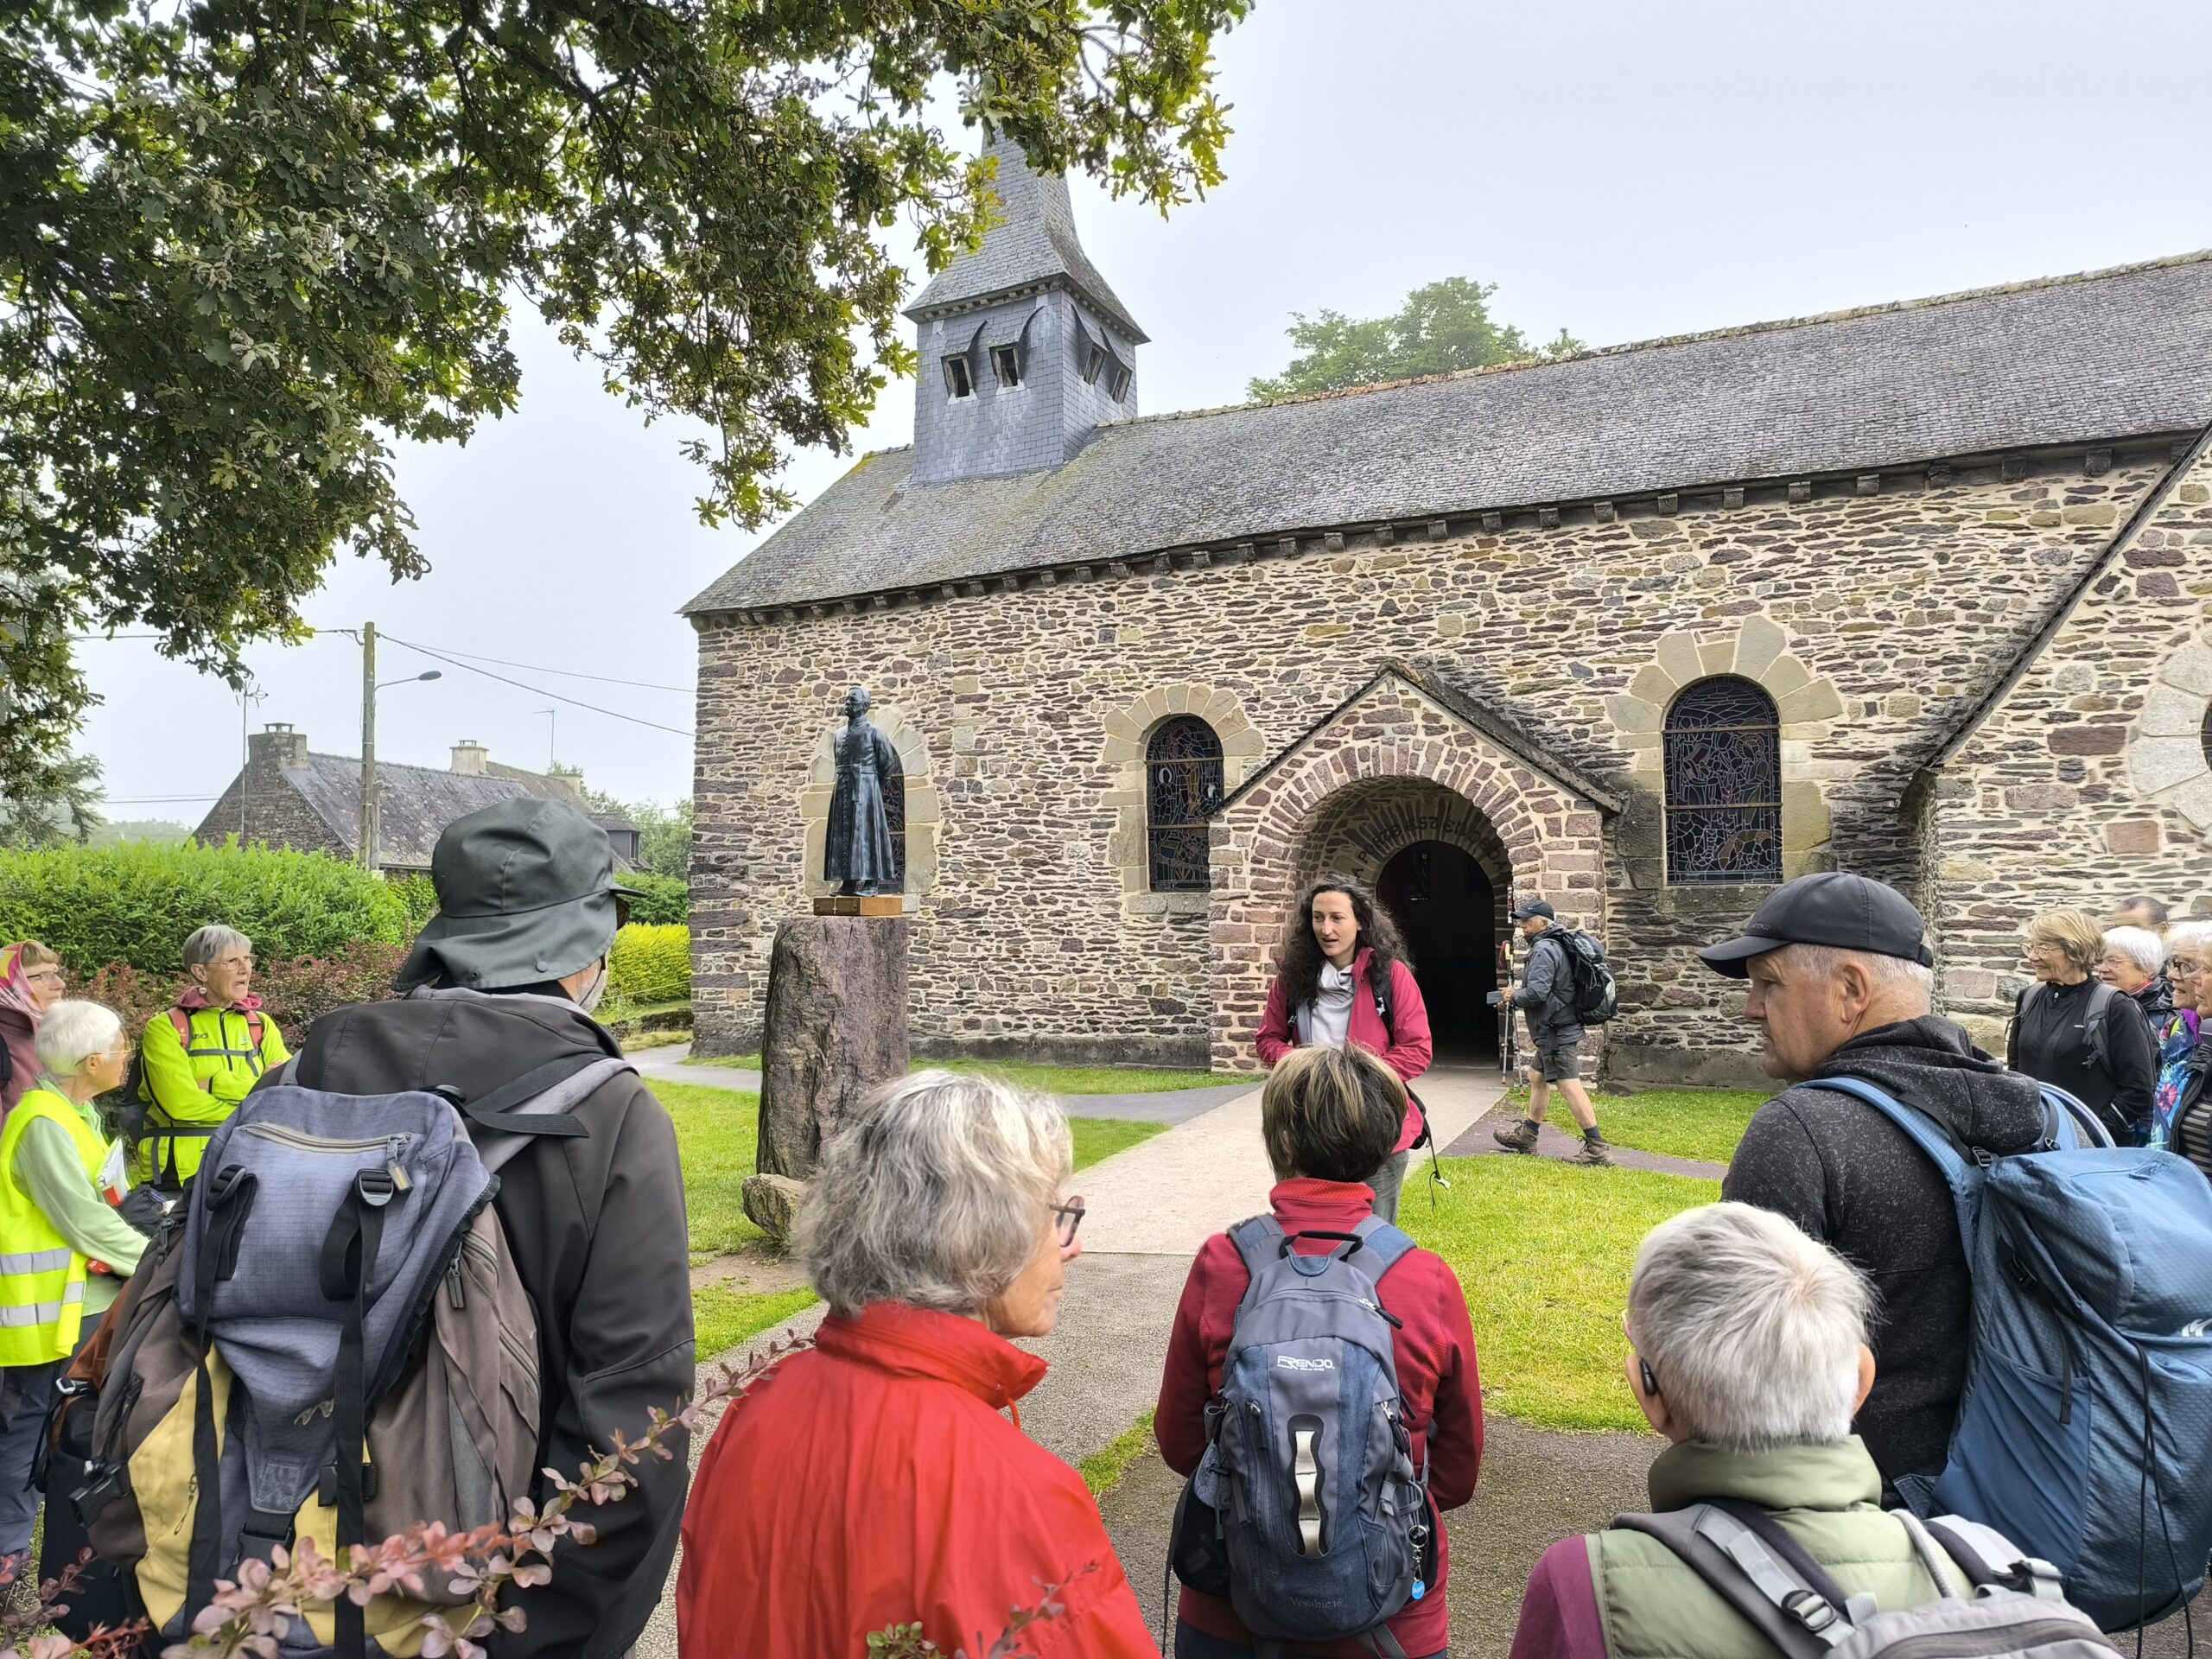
column 1594, row 997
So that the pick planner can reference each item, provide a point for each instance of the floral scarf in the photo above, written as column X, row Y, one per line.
column 2177, row 1039
column 15, row 991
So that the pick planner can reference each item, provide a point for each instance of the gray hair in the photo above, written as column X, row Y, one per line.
column 1821, row 961
column 2139, row 945
column 1753, row 1329
column 71, row 1032
column 210, row 943
column 933, row 1194
column 2194, row 934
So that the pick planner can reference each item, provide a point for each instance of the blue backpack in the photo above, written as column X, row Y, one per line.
column 2085, row 1433
column 1306, row 1511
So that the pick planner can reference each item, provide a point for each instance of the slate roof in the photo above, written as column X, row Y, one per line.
column 2104, row 356
column 1033, row 244
column 415, row 803
column 1462, row 706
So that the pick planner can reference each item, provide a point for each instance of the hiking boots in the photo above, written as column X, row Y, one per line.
column 1594, row 1152
column 1522, row 1137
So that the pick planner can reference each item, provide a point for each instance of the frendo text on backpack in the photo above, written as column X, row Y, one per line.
column 1306, row 1511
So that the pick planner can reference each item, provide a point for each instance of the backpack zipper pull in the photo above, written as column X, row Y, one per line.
column 1378, row 1307
column 456, row 1287
column 394, row 1146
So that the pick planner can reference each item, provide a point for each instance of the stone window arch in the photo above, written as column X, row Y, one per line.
column 911, row 802
column 1183, row 790
column 1130, row 731
column 1722, row 760
column 2170, row 750
column 1807, row 705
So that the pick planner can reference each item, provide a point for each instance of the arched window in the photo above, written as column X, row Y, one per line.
column 2204, row 737
column 1182, row 790
column 894, row 815
column 1724, row 784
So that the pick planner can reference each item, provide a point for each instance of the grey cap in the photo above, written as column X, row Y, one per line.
column 1835, row 908
column 526, row 894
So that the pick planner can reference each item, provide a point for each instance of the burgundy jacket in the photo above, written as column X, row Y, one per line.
column 1437, row 1381
column 1405, row 1047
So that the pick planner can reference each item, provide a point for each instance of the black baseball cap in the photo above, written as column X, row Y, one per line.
column 1534, row 908
column 1846, row 912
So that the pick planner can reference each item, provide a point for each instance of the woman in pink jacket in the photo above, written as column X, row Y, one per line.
column 1343, row 977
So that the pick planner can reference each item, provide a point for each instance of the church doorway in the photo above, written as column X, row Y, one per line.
column 1447, row 911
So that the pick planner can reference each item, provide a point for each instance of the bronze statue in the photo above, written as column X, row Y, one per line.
column 860, row 856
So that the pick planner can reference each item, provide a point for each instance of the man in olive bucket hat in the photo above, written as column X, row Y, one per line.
column 500, row 985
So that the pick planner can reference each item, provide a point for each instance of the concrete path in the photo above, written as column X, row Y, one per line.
column 1477, row 1142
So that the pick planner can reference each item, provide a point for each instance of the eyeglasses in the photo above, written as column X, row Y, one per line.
column 43, row 976
column 1066, row 1217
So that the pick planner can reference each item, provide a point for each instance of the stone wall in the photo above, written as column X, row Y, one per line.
column 1906, row 595
column 2091, row 780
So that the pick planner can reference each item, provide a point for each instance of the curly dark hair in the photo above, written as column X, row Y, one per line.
column 1299, row 963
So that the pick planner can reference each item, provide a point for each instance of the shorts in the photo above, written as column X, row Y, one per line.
column 1559, row 1056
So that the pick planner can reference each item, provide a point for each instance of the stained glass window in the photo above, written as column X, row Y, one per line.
column 1183, row 787
column 2204, row 737
column 894, row 814
column 1724, row 784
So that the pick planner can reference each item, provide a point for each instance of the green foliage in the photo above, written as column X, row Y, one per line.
column 722, row 1317
column 135, row 903
column 244, row 249
column 651, row 964
column 1544, row 1250
column 664, row 901
column 1702, row 1123
column 418, row 898
column 715, row 1138
column 294, row 991
column 63, row 810
column 1067, row 1079
column 1442, row 327
column 1103, row 1469
column 163, row 832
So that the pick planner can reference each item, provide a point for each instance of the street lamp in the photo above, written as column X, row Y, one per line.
column 370, row 814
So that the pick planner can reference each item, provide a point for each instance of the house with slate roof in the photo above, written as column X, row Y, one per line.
column 289, row 795
column 1920, row 590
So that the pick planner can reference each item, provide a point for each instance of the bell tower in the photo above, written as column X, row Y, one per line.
column 1025, row 351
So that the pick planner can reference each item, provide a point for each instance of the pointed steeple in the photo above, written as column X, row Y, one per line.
column 1025, row 351
column 1034, row 245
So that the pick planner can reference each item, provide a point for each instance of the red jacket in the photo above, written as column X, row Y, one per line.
column 1405, row 1047
column 870, row 1481
column 1437, row 1381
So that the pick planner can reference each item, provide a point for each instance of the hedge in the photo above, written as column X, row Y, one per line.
column 296, row 991
column 664, row 899
column 651, row 964
column 134, row 904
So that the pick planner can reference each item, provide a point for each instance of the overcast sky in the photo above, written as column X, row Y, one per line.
column 1625, row 170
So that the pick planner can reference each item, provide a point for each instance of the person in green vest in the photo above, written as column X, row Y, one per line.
column 64, row 1249
column 202, row 1056
column 1750, row 1355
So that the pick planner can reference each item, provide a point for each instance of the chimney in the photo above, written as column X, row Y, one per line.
column 279, row 746
column 469, row 758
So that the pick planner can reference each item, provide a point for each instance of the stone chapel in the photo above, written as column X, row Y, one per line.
column 1921, row 590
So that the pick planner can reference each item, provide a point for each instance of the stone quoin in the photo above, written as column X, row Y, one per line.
column 1440, row 635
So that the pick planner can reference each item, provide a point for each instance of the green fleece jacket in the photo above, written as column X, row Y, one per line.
column 1827, row 1497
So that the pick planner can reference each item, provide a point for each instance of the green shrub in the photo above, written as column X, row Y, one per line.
column 296, row 991
column 651, row 964
column 666, row 899
column 420, row 897
column 134, row 904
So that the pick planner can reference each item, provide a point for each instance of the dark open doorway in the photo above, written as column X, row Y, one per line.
column 1447, row 911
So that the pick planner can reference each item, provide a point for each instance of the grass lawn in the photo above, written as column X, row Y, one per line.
column 1048, row 1079
column 1103, row 1469
column 1543, row 1251
column 715, row 1130
column 1700, row 1123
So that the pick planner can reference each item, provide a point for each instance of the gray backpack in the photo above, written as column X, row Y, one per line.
column 1306, row 1511
column 333, row 1345
column 1758, row 1568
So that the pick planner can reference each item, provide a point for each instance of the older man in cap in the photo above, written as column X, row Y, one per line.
column 500, row 987
column 1842, row 985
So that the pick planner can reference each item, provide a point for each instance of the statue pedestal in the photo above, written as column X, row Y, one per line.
column 836, row 1028
column 854, row 904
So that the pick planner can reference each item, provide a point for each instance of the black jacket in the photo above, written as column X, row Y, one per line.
column 596, row 1226
column 1546, row 992
column 1848, row 1176
column 2113, row 1071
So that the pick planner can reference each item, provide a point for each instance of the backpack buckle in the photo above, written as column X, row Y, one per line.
column 325, row 1485
column 376, row 1187
column 1812, row 1611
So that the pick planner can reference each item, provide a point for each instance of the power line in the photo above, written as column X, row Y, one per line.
column 534, row 691
column 569, row 673
column 154, row 800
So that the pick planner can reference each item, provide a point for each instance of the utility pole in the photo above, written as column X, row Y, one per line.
column 368, row 836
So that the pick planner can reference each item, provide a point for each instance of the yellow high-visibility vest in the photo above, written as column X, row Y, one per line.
column 41, row 1273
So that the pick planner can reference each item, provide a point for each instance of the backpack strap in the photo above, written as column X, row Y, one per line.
column 1739, row 1568
column 535, row 1104
column 1258, row 1242
column 2095, row 1017
column 1974, row 1547
column 1384, row 1245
